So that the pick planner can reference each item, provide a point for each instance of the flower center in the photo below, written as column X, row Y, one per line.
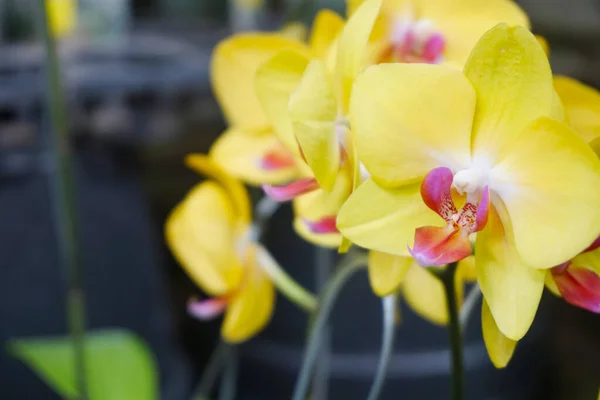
column 468, row 181
column 414, row 41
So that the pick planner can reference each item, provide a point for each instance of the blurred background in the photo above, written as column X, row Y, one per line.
column 136, row 73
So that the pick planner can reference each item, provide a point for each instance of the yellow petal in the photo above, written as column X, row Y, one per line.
column 467, row 270
column 385, row 219
column 320, row 204
column 326, row 28
column 511, row 288
column 499, row 347
column 313, row 109
column 275, row 81
column 351, row 49
column 200, row 233
column 240, row 152
column 551, row 285
column 386, row 272
column 549, row 183
column 463, row 22
column 582, row 105
column 425, row 294
column 406, row 120
column 544, row 43
column 235, row 190
column 513, row 82
column 295, row 30
column 250, row 308
column 233, row 66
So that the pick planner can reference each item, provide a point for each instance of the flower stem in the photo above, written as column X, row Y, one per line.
column 211, row 371
column 64, row 202
column 228, row 386
column 469, row 305
column 389, row 303
column 352, row 263
column 323, row 270
column 454, row 328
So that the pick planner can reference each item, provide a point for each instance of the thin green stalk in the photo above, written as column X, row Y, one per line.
column 389, row 304
column 211, row 371
column 228, row 386
column 469, row 305
column 455, row 333
column 64, row 202
column 352, row 263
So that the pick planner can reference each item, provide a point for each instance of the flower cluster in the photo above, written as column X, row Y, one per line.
column 428, row 132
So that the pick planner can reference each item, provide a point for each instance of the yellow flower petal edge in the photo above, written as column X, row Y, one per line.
column 326, row 28
column 251, row 307
column 200, row 233
column 582, row 105
column 233, row 66
column 548, row 182
column 313, row 110
column 499, row 347
column 351, row 50
column 237, row 192
column 240, row 151
column 387, row 271
column 513, row 83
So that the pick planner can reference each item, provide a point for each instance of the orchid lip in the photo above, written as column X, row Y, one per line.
column 578, row 286
column 291, row 190
column 276, row 160
column 322, row 226
column 206, row 310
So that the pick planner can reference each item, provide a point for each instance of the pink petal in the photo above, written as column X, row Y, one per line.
column 322, row 226
column 434, row 48
column 208, row 309
column 435, row 191
column 277, row 159
column 436, row 246
column 579, row 286
column 291, row 190
column 483, row 210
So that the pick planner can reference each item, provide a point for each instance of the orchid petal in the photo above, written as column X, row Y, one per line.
column 251, row 307
column 326, row 28
column 406, row 120
column 549, row 182
column 275, row 81
column 313, row 110
column 323, row 226
column 425, row 294
column 436, row 192
column 208, row 309
column 513, row 81
column 233, row 66
column 582, row 105
column 200, row 232
column 291, row 190
column 435, row 246
column 499, row 347
column 234, row 188
column 387, row 271
column 580, row 287
column 256, row 157
column 351, row 50
column 511, row 288
column 384, row 219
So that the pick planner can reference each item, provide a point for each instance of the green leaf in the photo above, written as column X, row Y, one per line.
column 119, row 366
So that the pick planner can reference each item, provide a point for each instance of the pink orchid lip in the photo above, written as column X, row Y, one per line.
column 206, row 310
column 415, row 47
column 291, row 190
column 436, row 246
column 277, row 159
column 578, row 286
column 595, row 244
column 323, row 226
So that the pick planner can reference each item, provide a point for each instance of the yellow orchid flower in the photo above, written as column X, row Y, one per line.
column 209, row 234
column 312, row 113
column 452, row 153
column 582, row 106
column 423, row 292
column 435, row 31
column 249, row 149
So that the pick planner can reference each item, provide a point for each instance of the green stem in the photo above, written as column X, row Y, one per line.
column 389, row 303
column 228, row 386
column 64, row 202
column 285, row 283
column 454, row 327
column 323, row 270
column 469, row 305
column 211, row 371
column 352, row 263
